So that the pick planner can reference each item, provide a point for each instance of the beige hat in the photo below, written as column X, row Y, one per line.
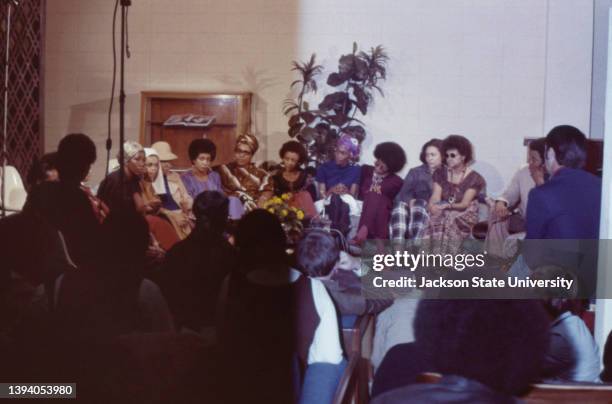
column 164, row 151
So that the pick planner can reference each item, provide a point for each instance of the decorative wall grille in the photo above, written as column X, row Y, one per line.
column 25, row 89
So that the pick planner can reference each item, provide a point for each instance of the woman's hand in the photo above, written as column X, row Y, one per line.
column 501, row 210
column 437, row 209
column 152, row 206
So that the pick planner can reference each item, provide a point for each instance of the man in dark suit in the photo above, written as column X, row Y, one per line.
column 563, row 214
column 569, row 204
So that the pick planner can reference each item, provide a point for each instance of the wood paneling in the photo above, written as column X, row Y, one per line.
column 232, row 113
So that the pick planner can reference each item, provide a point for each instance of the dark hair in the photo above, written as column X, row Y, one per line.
column 538, row 145
column 317, row 253
column 199, row 146
column 569, row 145
column 461, row 144
column 294, row 147
column 392, row 155
column 499, row 343
column 76, row 153
column 260, row 240
column 437, row 143
column 38, row 171
column 310, row 171
column 210, row 209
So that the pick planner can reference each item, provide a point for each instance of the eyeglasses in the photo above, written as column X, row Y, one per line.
column 243, row 152
column 451, row 155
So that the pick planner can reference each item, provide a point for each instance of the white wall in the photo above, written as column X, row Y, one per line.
column 495, row 71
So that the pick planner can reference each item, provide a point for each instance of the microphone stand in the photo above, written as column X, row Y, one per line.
column 4, row 153
column 124, row 5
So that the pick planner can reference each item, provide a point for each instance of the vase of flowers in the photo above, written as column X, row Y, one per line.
column 289, row 216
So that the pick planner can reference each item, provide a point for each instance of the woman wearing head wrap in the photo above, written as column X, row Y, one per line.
column 126, row 196
column 338, row 182
column 341, row 175
column 379, row 186
column 129, row 195
column 244, row 181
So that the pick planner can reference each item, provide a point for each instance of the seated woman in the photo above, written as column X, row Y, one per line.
column 291, row 179
column 572, row 355
column 338, row 182
column 453, row 206
column 175, row 196
column 153, row 188
column 409, row 216
column 194, row 269
column 243, row 180
column 379, row 186
column 128, row 196
column 501, row 221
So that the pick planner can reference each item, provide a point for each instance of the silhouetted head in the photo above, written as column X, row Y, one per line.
column 76, row 153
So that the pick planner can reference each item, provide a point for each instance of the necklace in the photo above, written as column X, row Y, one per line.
column 455, row 187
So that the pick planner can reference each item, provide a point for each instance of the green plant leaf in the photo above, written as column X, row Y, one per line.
column 308, row 117
column 335, row 101
column 295, row 129
column 361, row 99
column 336, row 79
column 295, row 119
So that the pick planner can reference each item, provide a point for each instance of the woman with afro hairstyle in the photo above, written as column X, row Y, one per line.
column 453, row 206
column 379, row 186
column 291, row 179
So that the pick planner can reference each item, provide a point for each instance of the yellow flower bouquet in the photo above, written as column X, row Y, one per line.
column 289, row 216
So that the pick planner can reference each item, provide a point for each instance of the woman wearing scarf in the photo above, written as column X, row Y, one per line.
column 244, row 181
column 129, row 195
column 153, row 187
column 338, row 182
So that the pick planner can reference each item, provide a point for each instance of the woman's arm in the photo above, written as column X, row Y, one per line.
column 468, row 197
column 354, row 190
column 434, row 207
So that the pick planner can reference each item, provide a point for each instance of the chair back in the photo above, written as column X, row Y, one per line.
column 591, row 393
column 14, row 192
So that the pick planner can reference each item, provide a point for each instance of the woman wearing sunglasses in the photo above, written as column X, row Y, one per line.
column 453, row 206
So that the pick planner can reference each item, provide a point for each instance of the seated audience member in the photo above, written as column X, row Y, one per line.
column 111, row 298
column 153, row 189
column 194, row 269
column 243, row 180
column 274, row 315
column 318, row 336
column 453, row 206
column 43, row 169
column 338, row 182
column 566, row 207
column 486, row 351
column 502, row 221
column 409, row 216
column 64, row 204
column 606, row 373
column 572, row 355
column 379, row 186
column 291, row 178
column 175, row 198
column 320, row 258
